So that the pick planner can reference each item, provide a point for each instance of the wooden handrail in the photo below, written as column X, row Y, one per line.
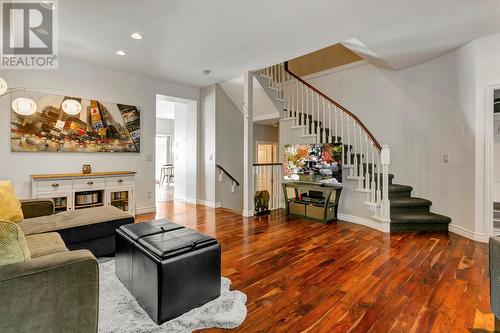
column 352, row 115
column 228, row 174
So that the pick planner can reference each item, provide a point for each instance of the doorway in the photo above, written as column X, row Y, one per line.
column 175, row 149
column 266, row 152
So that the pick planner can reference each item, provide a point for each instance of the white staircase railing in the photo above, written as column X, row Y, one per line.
column 268, row 177
column 326, row 121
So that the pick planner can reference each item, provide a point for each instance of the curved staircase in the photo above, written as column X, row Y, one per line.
column 319, row 119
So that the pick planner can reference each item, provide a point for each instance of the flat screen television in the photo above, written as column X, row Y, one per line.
column 313, row 162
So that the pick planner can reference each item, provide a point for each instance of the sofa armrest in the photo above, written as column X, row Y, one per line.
column 37, row 207
column 54, row 293
column 495, row 275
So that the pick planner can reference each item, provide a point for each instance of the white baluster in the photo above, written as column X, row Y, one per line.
column 341, row 134
column 318, row 128
column 372, row 184
column 313, row 113
column 306, row 122
column 349, row 160
column 302, row 106
column 379, row 171
column 356, row 169
column 367, row 169
column 361, row 167
column 296, row 105
column 336, row 128
column 324, row 121
column 330, row 128
column 386, row 161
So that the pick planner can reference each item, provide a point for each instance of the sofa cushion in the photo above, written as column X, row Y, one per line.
column 13, row 246
column 72, row 219
column 44, row 244
column 10, row 206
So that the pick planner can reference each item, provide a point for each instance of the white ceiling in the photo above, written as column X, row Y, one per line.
column 184, row 37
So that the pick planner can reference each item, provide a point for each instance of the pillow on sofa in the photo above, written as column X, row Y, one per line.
column 13, row 246
column 10, row 206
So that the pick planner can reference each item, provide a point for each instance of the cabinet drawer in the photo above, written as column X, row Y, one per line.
column 89, row 183
column 119, row 181
column 55, row 185
column 297, row 208
column 315, row 212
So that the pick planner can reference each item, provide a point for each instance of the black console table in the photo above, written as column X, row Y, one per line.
column 312, row 200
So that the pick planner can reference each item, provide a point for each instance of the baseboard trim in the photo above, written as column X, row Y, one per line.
column 476, row 236
column 191, row 201
column 210, row 204
column 247, row 213
column 185, row 199
column 145, row 210
column 377, row 225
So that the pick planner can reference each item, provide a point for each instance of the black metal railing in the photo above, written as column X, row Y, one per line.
column 227, row 174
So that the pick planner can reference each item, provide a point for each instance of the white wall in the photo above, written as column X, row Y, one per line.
column 85, row 80
column 422, row 113
column 229, row 150
column 265, row 133
column 206, row 143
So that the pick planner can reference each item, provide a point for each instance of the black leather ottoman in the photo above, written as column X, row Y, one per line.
column 168, row 268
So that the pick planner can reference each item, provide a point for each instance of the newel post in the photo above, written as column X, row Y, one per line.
column 385, row 160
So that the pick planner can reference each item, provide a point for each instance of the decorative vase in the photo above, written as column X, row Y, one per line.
column 86, row 168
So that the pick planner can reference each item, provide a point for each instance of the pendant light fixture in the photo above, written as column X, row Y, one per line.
column 71, row 107
column 3, row 86
column 24, row 106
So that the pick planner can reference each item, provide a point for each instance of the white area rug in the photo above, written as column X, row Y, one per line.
column 120, row 312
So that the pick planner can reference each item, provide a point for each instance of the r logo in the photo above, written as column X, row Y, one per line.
column 28, row 28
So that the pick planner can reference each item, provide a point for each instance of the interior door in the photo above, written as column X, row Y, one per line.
column 266, row 153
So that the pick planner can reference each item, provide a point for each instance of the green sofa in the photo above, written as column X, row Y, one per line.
column 56, row 291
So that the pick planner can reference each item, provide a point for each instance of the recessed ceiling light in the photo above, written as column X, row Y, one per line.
column 136, row 35
column 120, row 52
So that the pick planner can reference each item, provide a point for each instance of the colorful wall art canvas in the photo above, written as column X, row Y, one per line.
column 99, row 127
column 313, row 161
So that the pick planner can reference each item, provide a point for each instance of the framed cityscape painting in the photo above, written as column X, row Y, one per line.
column 99, row 127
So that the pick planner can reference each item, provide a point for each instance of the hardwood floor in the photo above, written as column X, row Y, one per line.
column 302, row 276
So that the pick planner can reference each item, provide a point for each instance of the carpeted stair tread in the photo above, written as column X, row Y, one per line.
column 410, row 202
column 399, row 188
column 420, row 217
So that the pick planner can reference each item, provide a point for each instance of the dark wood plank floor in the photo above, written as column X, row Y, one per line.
column 302, row 276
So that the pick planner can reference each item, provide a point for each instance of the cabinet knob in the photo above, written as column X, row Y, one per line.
column 120, row 180
column 90, row 183
column 55, row 185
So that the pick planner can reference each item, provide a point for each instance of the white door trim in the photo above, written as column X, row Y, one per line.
column 487, row 205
